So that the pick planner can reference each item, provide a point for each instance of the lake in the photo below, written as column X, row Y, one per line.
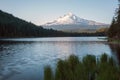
column 25, row 58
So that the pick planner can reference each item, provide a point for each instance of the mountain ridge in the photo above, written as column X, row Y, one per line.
column 72, row 23
column 72, row 19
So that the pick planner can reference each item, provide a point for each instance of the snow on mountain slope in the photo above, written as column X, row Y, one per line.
column 72, row 19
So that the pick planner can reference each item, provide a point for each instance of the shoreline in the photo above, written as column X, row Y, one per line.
column 113, row 41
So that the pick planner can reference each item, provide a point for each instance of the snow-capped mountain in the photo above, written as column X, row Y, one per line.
column 72, row 22
column 72, row 19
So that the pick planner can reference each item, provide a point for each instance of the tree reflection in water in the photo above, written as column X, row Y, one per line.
column 115, row 48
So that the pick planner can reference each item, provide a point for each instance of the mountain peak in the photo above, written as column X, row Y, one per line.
column 70, row 14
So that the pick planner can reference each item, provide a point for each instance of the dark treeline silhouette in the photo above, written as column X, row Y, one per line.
column 114, row 30
column 88, row 68
column 11, row 26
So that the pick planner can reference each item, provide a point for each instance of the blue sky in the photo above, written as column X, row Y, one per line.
column 42, row 11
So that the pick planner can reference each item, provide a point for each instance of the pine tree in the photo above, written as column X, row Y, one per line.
column 114, row 30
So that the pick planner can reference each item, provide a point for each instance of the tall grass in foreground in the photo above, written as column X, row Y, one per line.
column 48, row 73
column 86, row 69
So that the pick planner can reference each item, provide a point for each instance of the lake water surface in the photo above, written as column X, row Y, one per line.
column 24, row 58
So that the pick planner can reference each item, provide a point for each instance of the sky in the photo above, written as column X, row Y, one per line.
column 42, row 11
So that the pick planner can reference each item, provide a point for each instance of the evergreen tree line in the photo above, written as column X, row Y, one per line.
column 11, row 26
column 114, row 30
column 88, row 68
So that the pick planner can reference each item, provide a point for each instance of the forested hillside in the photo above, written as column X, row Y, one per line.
column 11, row 26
